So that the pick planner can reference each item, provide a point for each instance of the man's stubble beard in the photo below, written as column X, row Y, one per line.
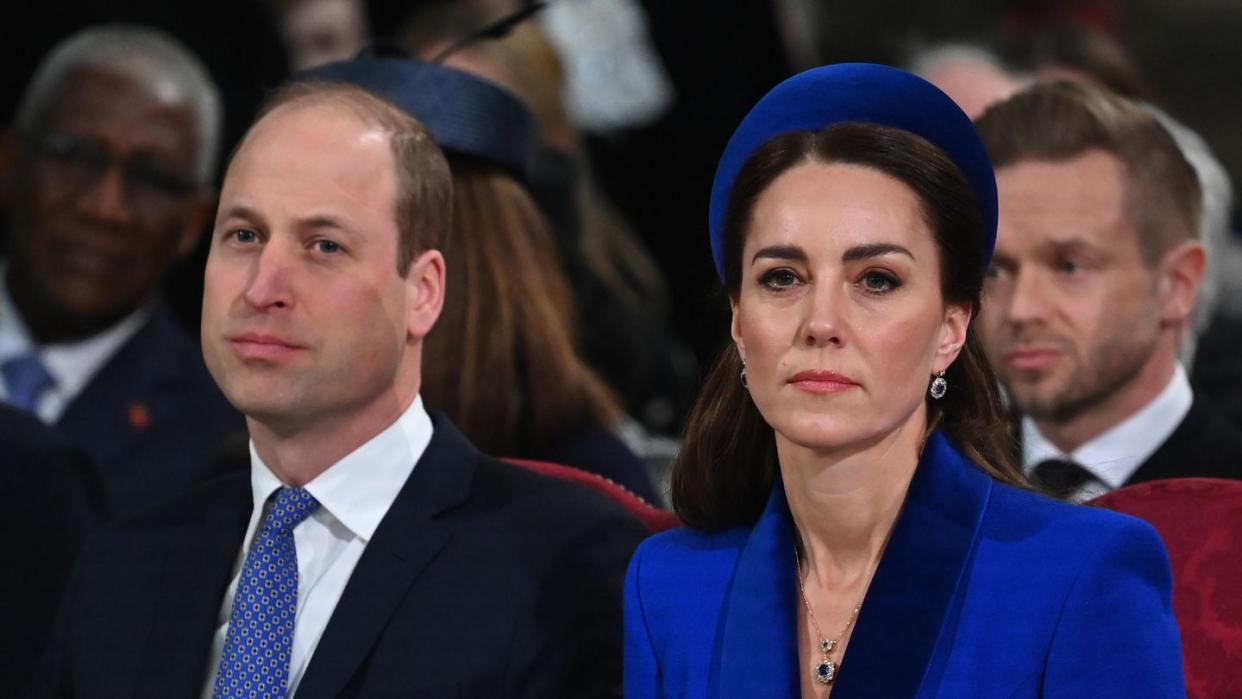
column 1109, row 367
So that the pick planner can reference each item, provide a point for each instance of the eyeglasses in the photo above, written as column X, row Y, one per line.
column 79, row 162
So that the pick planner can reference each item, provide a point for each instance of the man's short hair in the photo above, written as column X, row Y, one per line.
column 1061, row 120
column 424, row 203
column 148, row 57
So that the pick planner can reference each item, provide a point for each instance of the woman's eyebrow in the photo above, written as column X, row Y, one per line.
column 862, row 252
column 780, row 252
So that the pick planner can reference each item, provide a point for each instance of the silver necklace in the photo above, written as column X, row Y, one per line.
column 823, row 670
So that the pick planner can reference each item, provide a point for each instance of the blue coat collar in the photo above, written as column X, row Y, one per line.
column 903, row 614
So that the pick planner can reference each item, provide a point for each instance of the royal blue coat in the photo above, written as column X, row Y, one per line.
column 984, row 590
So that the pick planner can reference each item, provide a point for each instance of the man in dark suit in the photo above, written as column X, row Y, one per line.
column 1092, row 290
column 371, row 550
column 104, row 179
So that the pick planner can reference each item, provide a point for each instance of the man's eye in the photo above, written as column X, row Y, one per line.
column 327, row 246
column 245, row 235
column 779, row 279
column 1069, row 266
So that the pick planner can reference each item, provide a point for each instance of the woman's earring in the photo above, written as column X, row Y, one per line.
column 743, row 375
column 938, row 386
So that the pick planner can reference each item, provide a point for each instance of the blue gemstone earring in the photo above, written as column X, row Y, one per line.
column 939, row 386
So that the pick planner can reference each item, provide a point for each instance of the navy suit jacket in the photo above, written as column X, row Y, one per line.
column 984, row 590
column 482, row 580
column 151, row 419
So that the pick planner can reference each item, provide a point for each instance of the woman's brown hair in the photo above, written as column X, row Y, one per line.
column 727, row 463
column 501, row 360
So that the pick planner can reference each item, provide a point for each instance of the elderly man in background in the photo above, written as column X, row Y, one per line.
column 104, row 177
column 1092, row 289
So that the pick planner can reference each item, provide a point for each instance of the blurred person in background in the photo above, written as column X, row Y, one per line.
column 1092, row 289
column 51, row 502
column 622, row 324
column 315, row 32
column 971, row 74
column 501, row 361
column 104, row 176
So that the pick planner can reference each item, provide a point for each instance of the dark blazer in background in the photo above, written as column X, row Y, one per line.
column 1204, row 445
column 152, row 419
column 50, row 499
column 984, row 590
column 483, row 580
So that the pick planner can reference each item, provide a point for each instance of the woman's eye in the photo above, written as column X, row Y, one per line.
column 327, row 246
column 779, row 279
column 880, row 282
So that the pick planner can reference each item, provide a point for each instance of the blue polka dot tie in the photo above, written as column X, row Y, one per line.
column 255, row 661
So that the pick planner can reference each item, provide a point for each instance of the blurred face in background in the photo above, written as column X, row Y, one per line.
column 1072, row 312
column 839, row 315
column 102, row 202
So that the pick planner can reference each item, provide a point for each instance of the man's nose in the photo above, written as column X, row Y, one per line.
column 104, row 196
column 270, row 283
column 1030, row 297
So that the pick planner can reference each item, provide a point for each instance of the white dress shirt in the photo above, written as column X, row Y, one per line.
column 354, row 494
column 71, row 364
column 1115, row 455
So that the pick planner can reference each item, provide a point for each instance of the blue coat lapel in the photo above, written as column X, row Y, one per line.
column 905, row 610
column 759, row 642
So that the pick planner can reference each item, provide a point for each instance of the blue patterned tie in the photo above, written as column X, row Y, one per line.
column 255, row 661
column 26, row 379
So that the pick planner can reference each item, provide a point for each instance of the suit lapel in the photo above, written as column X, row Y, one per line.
column 908, row 604
column 117, row 406
column 891, row 649
column 758, row 644
column 406, row 542
column 197, row 567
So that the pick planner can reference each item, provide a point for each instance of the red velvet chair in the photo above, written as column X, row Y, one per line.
column 1200, row 520
column 657, row 520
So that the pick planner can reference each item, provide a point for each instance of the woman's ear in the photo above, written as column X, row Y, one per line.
column 735, row 329
column 952, row 335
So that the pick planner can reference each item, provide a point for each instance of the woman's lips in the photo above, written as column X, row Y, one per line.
column 822, row 382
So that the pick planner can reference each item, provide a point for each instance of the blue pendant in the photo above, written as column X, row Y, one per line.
column 824, row 671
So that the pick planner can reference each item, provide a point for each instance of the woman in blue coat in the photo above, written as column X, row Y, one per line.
column 856, row 524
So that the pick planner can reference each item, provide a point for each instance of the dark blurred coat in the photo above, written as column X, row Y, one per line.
column 50, row 501
column 152, row 420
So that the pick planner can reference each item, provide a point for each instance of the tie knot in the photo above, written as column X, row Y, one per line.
column 1061, row 476
column 292, row 506
column 26, row 379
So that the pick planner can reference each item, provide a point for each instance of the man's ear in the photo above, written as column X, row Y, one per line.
column 952, row 335
column 200, row 215
column 1181, row 272
column 424, row 293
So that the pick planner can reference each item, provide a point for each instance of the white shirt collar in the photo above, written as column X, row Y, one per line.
column 357, row 490
column 71, row 364
column 1115, row 455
